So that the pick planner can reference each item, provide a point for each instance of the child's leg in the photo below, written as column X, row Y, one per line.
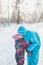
column 19, row 64
column 19, row 58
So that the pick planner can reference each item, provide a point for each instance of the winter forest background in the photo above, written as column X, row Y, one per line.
column 21, row 11
column 28, row 13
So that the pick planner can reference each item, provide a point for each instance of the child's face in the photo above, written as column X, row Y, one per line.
column 20, row 36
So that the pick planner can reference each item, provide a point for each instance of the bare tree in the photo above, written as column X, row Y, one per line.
column 37, row 10
column 16, row 11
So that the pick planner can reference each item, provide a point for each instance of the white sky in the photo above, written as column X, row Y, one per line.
column 28, row 6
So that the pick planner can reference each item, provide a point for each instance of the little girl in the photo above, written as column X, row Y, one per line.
column 20, row 46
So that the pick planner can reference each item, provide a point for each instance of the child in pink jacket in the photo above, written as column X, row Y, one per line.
column 20, row 46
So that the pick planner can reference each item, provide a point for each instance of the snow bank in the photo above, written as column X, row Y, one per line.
column 7, row 49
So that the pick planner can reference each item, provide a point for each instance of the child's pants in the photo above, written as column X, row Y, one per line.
column 19, row 58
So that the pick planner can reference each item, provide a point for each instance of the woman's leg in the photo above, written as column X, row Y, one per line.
column 33, row 59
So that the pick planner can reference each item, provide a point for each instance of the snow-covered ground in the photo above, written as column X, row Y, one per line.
column 7, row 49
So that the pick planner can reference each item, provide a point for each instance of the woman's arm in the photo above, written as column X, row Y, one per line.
column 33, row 43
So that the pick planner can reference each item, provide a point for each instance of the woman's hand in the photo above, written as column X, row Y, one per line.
column 28, row 52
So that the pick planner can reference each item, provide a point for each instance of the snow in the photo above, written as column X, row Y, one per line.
column 7, row 49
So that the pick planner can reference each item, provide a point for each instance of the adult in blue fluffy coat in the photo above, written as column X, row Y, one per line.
column 34, row 45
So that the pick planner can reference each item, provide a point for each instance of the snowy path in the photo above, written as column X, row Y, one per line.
column 7, row 50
